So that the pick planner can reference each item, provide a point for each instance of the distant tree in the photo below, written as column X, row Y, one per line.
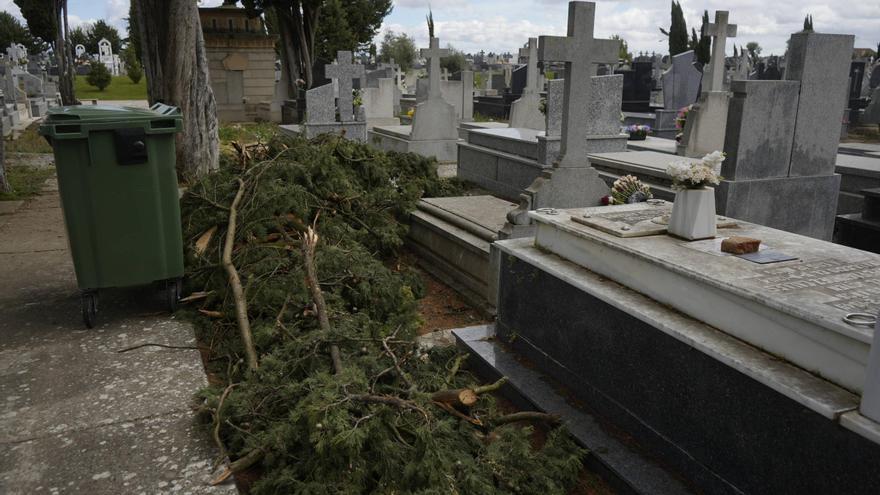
column 64, row 53
column 400, row 47
column 624, row 53
column 430, row 19
column 13, row 31
column 40, row 18
column 808, row 24
column 134, row 39
column 703, row 48
column 313, row 29
column 133, row 68
column 454, row 62
column 754, row 50
column 677, row 34
column 99, row 76
column 101, row 30
column 79, row 35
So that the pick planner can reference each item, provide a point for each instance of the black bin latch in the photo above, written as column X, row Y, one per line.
column 131, row 146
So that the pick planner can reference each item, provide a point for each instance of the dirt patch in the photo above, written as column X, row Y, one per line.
column 442, row 308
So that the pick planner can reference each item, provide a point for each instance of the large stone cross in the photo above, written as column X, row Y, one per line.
column 580, row 52
column 433, row 54
column 345, row 73
column 719, row 30
column 533, row 77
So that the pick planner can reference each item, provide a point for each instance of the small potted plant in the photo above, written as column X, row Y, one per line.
column 693, row 213
column 638, row 132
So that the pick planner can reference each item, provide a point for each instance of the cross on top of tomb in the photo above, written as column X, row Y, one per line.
column 433, row 54
column 580, row 52
column 719, row 30
column 532, row 75
column 345, row 72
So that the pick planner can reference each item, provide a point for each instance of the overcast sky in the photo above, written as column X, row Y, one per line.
column 504, row 25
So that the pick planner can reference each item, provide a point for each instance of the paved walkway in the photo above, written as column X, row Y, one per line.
column 76, row 416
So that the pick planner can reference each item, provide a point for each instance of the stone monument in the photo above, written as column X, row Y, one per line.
column 706, row 122
column 433, row 131
column 572, row 182
column 526, row 111
column 782, row 137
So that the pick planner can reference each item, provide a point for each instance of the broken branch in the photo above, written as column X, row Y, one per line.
column 244, row 324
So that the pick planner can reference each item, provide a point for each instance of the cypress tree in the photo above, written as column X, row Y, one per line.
column 808, row 24
column 704, row 45
column 678, row 35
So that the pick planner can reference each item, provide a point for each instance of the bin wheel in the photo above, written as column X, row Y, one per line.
column 173, row 288
column 89, row 308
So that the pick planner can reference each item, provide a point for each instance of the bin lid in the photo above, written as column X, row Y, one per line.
column 104, row 114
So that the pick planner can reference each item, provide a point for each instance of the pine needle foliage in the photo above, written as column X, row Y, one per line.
column 326, row 433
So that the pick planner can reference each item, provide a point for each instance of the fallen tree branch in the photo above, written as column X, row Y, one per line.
column 389, row 400
column 309, row 241
column 526, row 416
column 217, row 419
column 239, row 465
column 485, row 389
column 458, row 397
column 244, row 324
column 455, row 367
column 453, row 411
column 160, row 345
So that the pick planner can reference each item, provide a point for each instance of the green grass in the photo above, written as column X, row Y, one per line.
column 29, row 142
column 247, row 132
column 25, row 181
column 120, row 88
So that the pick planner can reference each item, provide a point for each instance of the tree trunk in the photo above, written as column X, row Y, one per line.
column 176, row 67
column 297, row 27
column 64, row 55
column 289, row 55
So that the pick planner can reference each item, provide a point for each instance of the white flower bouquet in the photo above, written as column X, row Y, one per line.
column 696, row 175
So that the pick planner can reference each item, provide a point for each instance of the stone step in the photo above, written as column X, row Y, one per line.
column 618, row 462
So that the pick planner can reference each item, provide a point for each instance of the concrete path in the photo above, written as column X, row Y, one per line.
column 76, row 416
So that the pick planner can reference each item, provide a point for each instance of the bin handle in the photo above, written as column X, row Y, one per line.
column 164, row 109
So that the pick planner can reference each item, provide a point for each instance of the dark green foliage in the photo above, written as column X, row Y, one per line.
column 40, row 18
column 703, row 47
column 454, row 62
column 133, row 68
column 808, row 24
column 12, row 31
column 99, row 76
column 430, row 20
column 317, row 435
column 400, row 47
column 677, row 34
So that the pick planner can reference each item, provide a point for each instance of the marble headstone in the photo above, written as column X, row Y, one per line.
column 681, row 82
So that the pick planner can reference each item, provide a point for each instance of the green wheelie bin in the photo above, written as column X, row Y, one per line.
column 119, row 195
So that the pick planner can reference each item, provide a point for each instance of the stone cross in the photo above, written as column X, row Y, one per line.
column 533, row 80
column 719, row 30
column 345, row 73
column 580, row 52
column 433, row 54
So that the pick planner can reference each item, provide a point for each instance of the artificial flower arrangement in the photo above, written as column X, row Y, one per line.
column 638, row 132
column 411, row 112
column 696, row 175
column 626, row 190
column 680, row 120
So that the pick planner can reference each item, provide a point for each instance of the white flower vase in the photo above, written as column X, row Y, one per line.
column 693, row 214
